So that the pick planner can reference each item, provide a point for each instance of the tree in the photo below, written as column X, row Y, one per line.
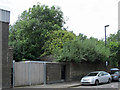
column 114, row 37
column 28, row 34
column 114, row 53
column 81, row 36
column 56, row 40
column 114, row 45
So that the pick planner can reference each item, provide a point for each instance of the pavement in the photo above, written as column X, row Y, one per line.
column 72, row 84
column 54, row 85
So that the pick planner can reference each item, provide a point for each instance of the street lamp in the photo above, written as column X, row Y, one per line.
column 105, row 33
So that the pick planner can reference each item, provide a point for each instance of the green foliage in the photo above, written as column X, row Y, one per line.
column 39, row 32
column 113, row 43
column 115, row 53
column 56, row 40
column 28, row 35
column 82, row 50
column 114, row 37
column 81, row 36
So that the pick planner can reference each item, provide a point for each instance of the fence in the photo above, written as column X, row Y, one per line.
column 29, row 73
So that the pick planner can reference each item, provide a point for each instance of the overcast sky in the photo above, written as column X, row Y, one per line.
column 84, row 16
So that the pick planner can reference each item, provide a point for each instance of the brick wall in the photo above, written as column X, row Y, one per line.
column 78, row 70
column 73, row 71
column 53, row 72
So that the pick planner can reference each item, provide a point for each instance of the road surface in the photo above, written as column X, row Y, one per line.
column 110, row 85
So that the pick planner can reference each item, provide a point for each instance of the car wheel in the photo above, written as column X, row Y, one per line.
column 96, row 82
column 82, row 84
column 109, row 80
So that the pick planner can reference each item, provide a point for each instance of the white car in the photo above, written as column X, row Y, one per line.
column 96, row 78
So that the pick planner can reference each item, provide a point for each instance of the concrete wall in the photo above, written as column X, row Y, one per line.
column 4, row 63
column 7, row 56
column 0, row 54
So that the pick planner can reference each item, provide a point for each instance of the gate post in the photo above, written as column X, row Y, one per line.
column 44, row 64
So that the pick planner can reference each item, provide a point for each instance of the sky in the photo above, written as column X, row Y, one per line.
column 83, row 16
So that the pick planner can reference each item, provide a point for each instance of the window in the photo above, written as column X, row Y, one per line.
column 105, row 73
column 92, row 74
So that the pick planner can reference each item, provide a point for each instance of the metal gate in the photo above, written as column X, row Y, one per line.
column 29, row 73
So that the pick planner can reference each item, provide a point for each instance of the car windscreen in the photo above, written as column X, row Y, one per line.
column 92, row 74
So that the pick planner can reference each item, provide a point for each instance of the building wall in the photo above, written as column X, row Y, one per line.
column 5, row 62
column 0, row 54
column 119, row 15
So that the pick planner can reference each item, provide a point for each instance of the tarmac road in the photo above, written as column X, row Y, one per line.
column 105, row 85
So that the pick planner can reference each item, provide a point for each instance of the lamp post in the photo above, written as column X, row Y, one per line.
column 105, row 33
column 105, row 44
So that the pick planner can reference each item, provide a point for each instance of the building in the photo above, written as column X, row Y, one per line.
column 119, row 15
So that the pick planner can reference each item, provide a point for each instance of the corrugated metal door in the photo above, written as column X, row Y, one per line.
column 28, row 73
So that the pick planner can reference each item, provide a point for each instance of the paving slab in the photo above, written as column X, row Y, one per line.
column 54, row 85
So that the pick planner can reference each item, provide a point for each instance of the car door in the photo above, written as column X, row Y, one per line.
column 106, row 76
column 101, row 79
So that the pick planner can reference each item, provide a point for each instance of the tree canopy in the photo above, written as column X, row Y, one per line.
column 57, row 40
column 28, row 35
column 39, row 31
